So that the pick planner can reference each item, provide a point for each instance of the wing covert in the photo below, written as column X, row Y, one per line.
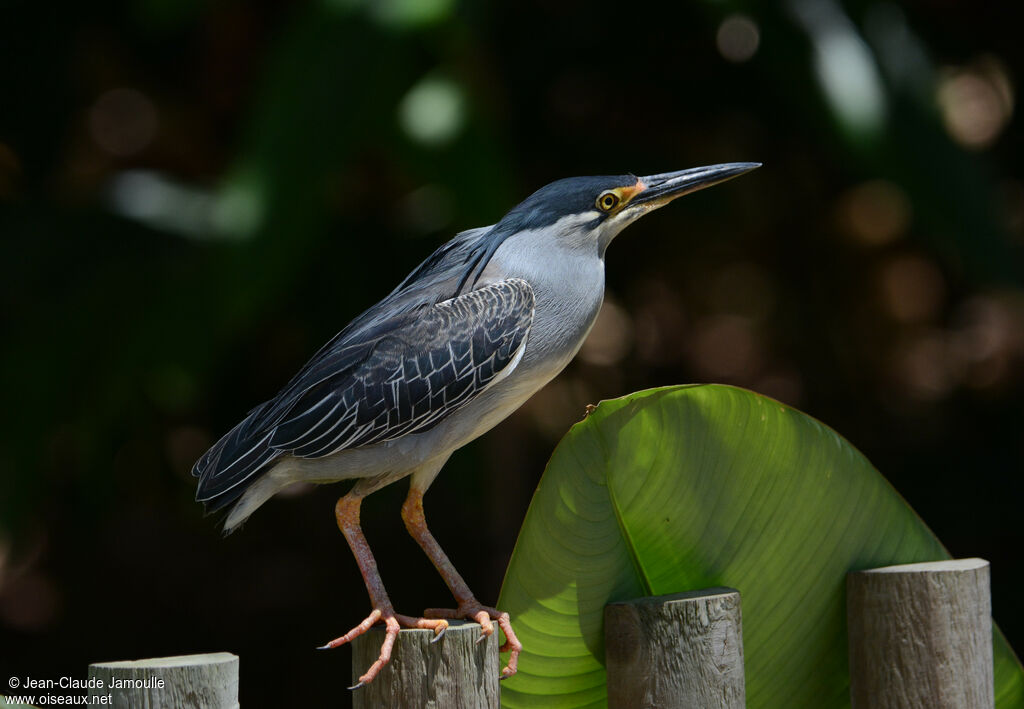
column 429, row 365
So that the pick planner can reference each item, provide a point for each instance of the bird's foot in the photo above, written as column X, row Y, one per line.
column 393, row 622
column 483, row 615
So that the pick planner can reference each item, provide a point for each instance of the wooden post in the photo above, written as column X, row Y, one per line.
column 682, row 650
column 184, row 682
column 454, row 672
column 921, row 636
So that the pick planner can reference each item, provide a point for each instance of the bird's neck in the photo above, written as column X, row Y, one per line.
column 568, row 285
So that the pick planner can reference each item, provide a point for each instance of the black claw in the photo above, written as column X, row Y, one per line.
column 357, row 686
column 439, row 635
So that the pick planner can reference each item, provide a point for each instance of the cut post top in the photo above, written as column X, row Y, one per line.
column 210, row 658
column 972, row 564
column 711, row 592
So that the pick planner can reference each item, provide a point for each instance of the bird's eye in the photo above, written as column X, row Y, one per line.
column 607, row 201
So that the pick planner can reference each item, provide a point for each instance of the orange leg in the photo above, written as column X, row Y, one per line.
column 347, row 513
column 469, row 607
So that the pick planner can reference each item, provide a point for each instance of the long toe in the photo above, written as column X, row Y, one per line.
column 438, row 625
column 351, row 635
column 393, row 623
column 390, row 635
column 484, row 615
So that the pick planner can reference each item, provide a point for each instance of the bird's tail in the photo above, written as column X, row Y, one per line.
column 234, row 463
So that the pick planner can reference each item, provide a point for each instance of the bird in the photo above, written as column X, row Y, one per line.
column 464, row 340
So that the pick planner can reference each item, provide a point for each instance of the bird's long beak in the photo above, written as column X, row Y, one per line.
column 659, row 190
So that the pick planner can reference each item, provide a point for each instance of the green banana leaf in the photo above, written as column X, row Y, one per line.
column 689, row 487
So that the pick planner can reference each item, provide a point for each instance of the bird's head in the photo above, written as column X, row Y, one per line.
column 589, row 211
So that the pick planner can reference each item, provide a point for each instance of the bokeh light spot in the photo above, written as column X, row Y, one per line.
column 432, row 113
column 976, row 103
column 738, row 38
column 874, row 213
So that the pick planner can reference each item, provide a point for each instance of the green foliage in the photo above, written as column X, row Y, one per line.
column 683, row 488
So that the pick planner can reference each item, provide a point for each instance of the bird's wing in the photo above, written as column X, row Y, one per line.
column 432, row 363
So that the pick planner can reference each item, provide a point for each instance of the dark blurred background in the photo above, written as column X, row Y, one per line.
column 194, row 196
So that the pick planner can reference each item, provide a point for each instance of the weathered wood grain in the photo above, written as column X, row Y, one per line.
column 681, row 650
column 921, row 636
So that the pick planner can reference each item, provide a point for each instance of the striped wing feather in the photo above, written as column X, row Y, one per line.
column 413, row 373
